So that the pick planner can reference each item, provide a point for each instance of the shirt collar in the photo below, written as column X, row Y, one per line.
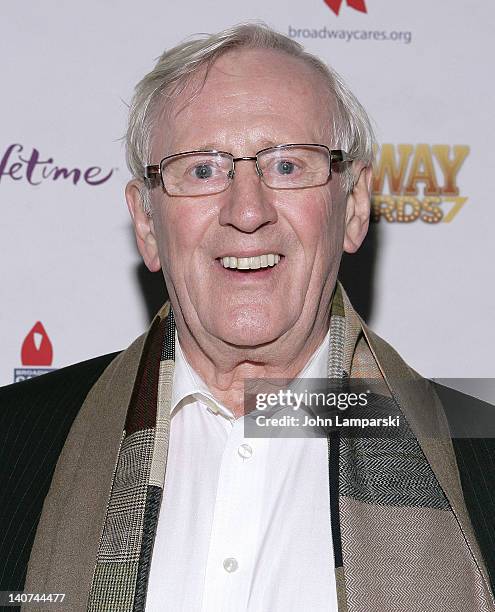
column 316, row 366
column 188, row 386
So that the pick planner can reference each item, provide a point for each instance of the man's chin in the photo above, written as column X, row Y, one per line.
column 250, row 332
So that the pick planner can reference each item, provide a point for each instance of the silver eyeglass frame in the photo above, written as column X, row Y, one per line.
column 153, row 171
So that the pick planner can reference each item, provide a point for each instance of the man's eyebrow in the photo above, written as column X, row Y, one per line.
column 264, row 144
column 210, row 146
column 202, row 146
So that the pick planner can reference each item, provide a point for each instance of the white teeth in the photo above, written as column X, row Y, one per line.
column 250, row 263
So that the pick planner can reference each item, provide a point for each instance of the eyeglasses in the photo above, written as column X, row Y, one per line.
column 286, row 166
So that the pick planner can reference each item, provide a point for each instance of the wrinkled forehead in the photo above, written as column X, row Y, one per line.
column 246, row 95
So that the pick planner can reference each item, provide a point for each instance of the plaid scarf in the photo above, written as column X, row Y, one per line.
column 398, row 545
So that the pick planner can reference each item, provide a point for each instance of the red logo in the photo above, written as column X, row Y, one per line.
column 37, row 349
column 357, row 5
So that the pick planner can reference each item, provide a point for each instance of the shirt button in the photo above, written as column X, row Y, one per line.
column 230, row 564
column 245, row 451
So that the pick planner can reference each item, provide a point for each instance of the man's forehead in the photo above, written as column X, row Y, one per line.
column 253, row 88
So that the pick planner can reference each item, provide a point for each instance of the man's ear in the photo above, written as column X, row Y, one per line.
column 357, row 216
column 143, row 225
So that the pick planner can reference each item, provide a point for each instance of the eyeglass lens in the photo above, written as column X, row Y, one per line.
column 281, row 168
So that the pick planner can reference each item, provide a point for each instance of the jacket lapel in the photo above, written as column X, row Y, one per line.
column 67, row 539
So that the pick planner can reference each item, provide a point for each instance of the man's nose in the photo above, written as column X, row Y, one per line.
column 248, row 203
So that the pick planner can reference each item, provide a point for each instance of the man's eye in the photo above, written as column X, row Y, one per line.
column 285, row 167
column 203, row 171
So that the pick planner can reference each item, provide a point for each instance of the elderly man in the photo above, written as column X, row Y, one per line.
column 252, row 168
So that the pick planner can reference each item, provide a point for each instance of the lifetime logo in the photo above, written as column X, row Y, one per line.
column 357, row 5
column 30, row 168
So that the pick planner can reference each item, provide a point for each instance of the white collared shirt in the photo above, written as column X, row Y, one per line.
column 244, row 524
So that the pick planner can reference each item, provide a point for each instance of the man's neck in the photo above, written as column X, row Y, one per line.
column 226, row 380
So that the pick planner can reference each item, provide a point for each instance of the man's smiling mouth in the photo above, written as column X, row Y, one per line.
column 263, row 262
column 250, row 263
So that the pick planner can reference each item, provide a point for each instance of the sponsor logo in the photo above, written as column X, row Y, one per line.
column 37, row 350
column 360, row 35
column 20, row 164
column 347, row 36
column 417, row 183
column 357, row 5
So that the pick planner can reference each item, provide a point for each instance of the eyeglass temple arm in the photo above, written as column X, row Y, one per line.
column 151, row 172
column 337, row 155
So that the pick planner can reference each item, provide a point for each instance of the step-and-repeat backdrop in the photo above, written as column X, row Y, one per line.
column 72, row 283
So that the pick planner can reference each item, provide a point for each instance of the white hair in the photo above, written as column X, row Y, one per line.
column 352, row 130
